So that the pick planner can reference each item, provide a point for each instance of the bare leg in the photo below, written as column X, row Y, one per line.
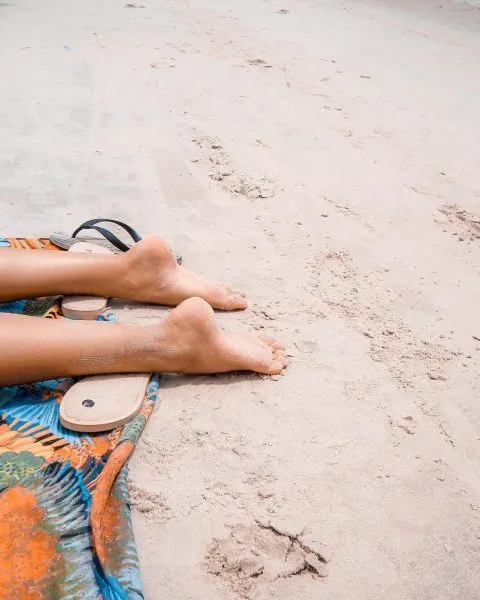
column 147, row 273
column 188, row 340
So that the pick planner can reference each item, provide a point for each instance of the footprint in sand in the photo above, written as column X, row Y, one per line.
column 262, row 552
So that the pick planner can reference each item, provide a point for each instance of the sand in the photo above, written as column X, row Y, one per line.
column 324, row 157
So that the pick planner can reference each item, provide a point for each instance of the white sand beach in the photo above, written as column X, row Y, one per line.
column 323, row 157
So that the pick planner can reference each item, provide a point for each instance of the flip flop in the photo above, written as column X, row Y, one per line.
column 99, row 402
column 85, row 307
column 103, row 402
column 110, row 240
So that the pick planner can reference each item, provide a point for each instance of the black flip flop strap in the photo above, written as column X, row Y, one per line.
column 111, row 237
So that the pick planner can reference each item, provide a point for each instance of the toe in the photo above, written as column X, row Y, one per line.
column 283, row 359
column 279, row 354
column 273, row 343
column 274, row 364
column 276, row 367
column 225, row 298
column 236, row 301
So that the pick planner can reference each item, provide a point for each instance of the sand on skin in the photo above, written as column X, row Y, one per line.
column 324, row 157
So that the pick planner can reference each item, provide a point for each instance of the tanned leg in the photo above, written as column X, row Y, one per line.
column 188, row 340
column 146, row 273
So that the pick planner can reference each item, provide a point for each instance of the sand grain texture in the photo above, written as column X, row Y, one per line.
column 324, row 157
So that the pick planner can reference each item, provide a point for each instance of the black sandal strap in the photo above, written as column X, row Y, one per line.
column 111, row 237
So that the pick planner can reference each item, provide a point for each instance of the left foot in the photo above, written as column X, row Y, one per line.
column 153, row 275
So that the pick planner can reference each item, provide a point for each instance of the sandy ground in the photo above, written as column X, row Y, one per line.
column 324, row 156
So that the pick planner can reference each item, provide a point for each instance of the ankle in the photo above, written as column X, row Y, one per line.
column 122, row 278
column 146, row 270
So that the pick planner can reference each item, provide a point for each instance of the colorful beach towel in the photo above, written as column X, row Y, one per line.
column 65, row 526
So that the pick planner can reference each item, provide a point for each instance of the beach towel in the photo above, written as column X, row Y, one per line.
column 65, row 524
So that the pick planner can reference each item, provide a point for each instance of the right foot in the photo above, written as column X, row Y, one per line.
column 190, row 341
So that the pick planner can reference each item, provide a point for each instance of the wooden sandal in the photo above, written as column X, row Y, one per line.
column 99, row 402
column 85, row 307
column 103, row 402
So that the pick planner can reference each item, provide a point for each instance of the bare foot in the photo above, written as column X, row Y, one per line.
column 190, row 341
column 154, row 276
